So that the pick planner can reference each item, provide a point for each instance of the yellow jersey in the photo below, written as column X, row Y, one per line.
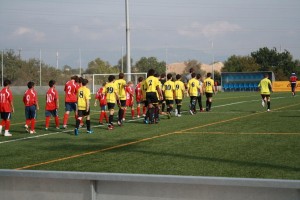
column 120, row 84
column 179, row 89
column 193, row 86
column 209, row 85
column 151, row 84
column 83, row 96
column 169, row 89
column 264, row 86
column 110, row 91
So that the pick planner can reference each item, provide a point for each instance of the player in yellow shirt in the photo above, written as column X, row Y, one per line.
column 169, row 93
column 83, row 108
column 209, row 90
column 111, row 93
column 193, row 87
column 121, row 84
column 179, row 94
column 265, row 87
column 152, row 87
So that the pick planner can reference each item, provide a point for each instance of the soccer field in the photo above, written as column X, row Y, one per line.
column 237, row 139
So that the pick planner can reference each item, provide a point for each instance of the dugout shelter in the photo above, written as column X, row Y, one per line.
column 243, row 81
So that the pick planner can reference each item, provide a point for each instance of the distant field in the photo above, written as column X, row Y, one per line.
column 237, row 139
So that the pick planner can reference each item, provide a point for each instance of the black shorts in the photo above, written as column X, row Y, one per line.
column 178, row 101
column 209, row 95
column 123, row 103
column 169, row 102
column 265, row 96
column 293, row 85
column 5, row 115
column 151, row 98
column 83, row 113
column 110, row 106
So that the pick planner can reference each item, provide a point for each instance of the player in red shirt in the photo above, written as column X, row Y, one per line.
column 139, row 97
column 6, row 107
column 52, row 104
column 100, row 96
column 71, row 88
column 293, row 81
column 129, row 99
column 31, row 106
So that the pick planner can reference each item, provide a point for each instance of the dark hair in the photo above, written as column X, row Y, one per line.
column 151, row 72
column 84, row 81
column 178, row 76
column 208, row 74
column 6, row 82
column 169, row 76
column 163, row 75
column 30, row 84
column 75, row 78
column 266, row 75
column 198, row 76
column 111, row 78
column 193, row 75
column 80, row 79
column 51, row 83
column 140, row 79
column 156, row 75
column 121, row 75
column 192, row 70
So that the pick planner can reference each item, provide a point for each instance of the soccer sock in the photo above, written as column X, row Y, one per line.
column 144, row 110
column 77, row 123
column 66, row 117
column 105, row 115
column 57, row 121
column 88, row 125
column 101, row 116
column 124, row 113
column 132, row 113
column 163, row 107
column 138, row 110
column 111, row 117
column 32, row 124
column 7, row 125
column 3, row 123
column 269, row 104
column 47, row 121
column 209, row 105
column 179, row 108
column 27, row 122
column 156, row 112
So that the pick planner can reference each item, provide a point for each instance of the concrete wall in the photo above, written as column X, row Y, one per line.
column 44, row 185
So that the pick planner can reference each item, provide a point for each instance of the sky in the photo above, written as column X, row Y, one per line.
column 75, row 32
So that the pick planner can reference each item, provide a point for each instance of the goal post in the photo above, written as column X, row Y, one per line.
column 99, row 79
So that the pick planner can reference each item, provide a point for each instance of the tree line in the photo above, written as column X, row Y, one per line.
column 20, row 71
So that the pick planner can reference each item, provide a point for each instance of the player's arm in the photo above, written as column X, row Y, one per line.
column 159, row 92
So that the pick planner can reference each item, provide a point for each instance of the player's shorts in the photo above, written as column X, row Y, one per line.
column 5, row 115
column 82, row 113
column 169, row 102
column 70, row 106
column 123, row 103
column 293, row 85
column 208, row 95
column 178, row 101
column 49, row 113
column 103, row 107
column 265, row 96
column 111, row 106
column 129, row 103
column 138, row 99
column 151, row 98
column 30, row 112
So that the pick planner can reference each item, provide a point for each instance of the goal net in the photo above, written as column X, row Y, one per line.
column 99, row 79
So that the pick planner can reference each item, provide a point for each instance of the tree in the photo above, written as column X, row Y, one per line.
column 99, row 66
column 240, row 64
column 195, row 65
column 144, row 64
column 119, row 65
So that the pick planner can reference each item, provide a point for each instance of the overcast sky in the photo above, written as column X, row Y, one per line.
column 171, row 30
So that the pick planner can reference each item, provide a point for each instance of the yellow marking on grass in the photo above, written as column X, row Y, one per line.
column 144, row 139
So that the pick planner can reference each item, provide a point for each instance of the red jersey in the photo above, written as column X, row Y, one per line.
column 6, row 99
column 138, row 93
column 293, row 79
column 51, row 99
column 71, row 89
column 129, row 96
column 30, row 97
column 100, row 95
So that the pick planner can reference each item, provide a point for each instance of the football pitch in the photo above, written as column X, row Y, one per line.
column 238, row 138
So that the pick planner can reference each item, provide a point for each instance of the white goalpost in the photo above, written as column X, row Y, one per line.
column 99, row 79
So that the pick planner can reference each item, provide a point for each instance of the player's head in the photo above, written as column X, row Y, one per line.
column 191, row 70
column 80, row 79
column 75, row 78
column 30, row 84
column 51, row 83
column 169, row 76
column 151, row 72
column 140, row 79
column 163, row 75
column 84, row 81
column 121, row 75
column 178, row 77
column 6, row 82
column 193, row 75
column 111, row 78
column 208, row 74
column 198, row 76
column 130, row 83
column 266, row 75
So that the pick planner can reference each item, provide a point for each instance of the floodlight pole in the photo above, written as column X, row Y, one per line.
column 80, row 62
column 40, row 67
column 2, row 67
column 128, row 61
column 213, row 60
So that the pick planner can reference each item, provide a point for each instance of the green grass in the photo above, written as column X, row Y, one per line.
column 237, row 139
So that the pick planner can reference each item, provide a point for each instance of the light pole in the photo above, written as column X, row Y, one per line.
column 2, row 67
column 128, row 41
column 213, row 59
